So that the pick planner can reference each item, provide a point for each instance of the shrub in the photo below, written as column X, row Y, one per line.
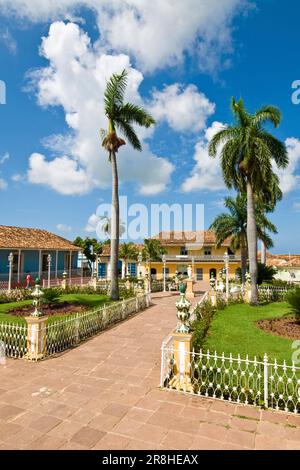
column 293, row 299
column 51, row 296
column 265, row 273
column 204, row 314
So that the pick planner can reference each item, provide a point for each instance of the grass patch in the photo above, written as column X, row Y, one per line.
column 234, row 330
column 89, row 300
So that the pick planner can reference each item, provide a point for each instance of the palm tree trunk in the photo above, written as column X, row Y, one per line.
column 252, row 244
column 114, row 242
column 243, row 261
column 263, row 253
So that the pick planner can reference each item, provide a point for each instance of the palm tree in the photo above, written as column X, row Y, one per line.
column 246, row 160
column 152, row 251
column 106, row 226
column 120, row 116
column 234, row 225
column 128, row 252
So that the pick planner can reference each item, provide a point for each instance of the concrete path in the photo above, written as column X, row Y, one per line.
column 105, row 395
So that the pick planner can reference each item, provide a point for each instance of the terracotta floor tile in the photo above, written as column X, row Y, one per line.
column 88, row 437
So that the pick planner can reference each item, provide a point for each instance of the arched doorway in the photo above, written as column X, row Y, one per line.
column 213, row 273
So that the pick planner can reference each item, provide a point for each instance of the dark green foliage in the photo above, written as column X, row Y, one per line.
column 293, row 299
column 265, row 273
column 51, row 296
column 200, row 327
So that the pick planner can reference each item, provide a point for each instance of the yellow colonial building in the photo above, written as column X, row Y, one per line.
column 195, row 250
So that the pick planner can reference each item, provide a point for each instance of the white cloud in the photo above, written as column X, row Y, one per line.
column 8, row 40
column 75, row 80
column 290, row 176
column 3, row 184
column 207, row 173
column 157, row 33
column 92, row 223
column 4, row 158
column 184, row 109
column 64, row 228
column 62, row 174
column 18, row 178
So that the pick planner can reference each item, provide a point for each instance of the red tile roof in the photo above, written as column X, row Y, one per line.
column 178, row 237
column 283, row 261
column 32, row 238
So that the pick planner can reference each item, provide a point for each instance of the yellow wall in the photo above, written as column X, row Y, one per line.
column 175, row 250
column 205, row 266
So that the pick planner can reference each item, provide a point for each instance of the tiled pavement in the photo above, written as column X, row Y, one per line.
column 104, row 395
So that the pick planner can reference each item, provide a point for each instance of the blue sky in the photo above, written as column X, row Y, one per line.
column 53, row 171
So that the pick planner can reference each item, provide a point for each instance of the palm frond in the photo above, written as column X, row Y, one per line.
column 132, row 113
column 114, row 93
column 267, row 114
column 130, row 134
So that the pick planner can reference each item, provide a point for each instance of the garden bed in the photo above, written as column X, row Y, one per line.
column 287, row 327
column 60, row 309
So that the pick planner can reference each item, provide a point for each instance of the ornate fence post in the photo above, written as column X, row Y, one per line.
column 182, row 347
column 64, row 280
column 36, row 328
column 266, row 382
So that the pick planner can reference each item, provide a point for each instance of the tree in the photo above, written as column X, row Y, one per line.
column 128, row 252
column 106, row 226
column 265, row 273
column 247, row 154
column 90, row 248
column 234, row 225
column 152, row 251
column 120, row 116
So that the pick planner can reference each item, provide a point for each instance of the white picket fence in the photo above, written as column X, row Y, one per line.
column 235, row 379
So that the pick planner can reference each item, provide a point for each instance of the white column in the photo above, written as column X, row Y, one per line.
column 19, row 265
column 108, row 270
column 70, row 265
column 56, row 264
column 123, row 269
column 40, row 263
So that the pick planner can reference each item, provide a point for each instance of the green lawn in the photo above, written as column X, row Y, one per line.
column 234, row 330
column 90, row 300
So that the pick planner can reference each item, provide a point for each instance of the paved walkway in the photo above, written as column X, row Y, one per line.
column 104, row 395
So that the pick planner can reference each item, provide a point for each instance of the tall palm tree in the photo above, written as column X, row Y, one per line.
column 106, row 226
column 152, row 251
column 234, row 225
column 247, row 153
column 120, row 116
column 128, row 252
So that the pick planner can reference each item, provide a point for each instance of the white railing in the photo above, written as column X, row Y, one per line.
column 249, row 381
column 203, row 299
column 273, row 293
column 69, row 332
column 13, row 337
column 197, row 258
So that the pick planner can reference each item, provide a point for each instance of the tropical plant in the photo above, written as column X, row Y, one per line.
column 247, row 154
column 152, row 251
column 120, row 116
column 293, row 299
column 234, row 225
column 128, row 251
column 265, row 273
column 90, row 248
column 51, row 297
column 106, row 226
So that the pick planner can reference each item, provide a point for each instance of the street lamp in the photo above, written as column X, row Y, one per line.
column 164, row 270
column 49, row 259
column 226, row 261
column 10, row 265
